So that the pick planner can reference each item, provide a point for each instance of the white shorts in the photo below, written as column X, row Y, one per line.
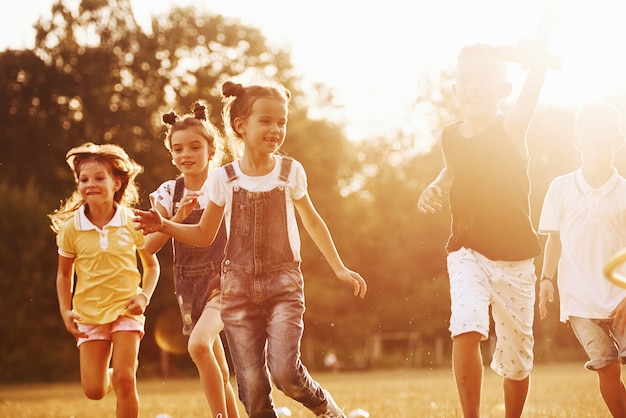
column 476, row 283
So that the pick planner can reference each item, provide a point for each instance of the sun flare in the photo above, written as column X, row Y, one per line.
column 589, row 43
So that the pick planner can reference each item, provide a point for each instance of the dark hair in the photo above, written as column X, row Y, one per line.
column 198, row 120
column 238, row 101
column 116, row 160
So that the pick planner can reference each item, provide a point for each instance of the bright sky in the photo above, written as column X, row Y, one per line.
column 375, row 53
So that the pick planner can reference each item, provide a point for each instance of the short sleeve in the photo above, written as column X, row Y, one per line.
column 550, row 218
column 217, row 186
column 164, row 195
column 298, row 181
column 64, row 241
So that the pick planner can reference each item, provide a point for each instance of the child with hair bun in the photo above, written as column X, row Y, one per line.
column 262, row 284
column 194, row 144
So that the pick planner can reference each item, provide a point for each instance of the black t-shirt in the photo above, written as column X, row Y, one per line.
column 489, row 197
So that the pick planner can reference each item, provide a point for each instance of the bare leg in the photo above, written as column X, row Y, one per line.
column 612, row 389
column 124, row 362
column 468, row 371
column 206, row 351
column 95, row 376
column 231, row 398
column 515, row 394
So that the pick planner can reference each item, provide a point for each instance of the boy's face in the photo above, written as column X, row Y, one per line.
column 480, row 84
column 598, row 136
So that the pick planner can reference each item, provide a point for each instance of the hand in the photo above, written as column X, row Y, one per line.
column 546, row 295
column 187, row 204
column 431, row 199
column 137, row 304
column 619, row 317
column 69, row 319
column 355, row 279
column 148, row 221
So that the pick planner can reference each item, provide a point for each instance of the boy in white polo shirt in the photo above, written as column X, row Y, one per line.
column 584, row 216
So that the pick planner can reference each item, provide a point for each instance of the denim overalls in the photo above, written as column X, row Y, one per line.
column 196, row 269
column 263, row 300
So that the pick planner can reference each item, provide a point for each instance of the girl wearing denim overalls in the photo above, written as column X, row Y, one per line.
column 262, row 285
column 192, row 142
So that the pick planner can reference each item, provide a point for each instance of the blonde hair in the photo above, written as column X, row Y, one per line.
column 116, row 160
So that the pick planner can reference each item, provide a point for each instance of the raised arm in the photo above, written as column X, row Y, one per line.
column 538, row 59
column 518, row 120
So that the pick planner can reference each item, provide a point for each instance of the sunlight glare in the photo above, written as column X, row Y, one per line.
column 589, row 44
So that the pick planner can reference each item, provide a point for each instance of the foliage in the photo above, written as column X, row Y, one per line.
column 29, row 312
column 94, row 75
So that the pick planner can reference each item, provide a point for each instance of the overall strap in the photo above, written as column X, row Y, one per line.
column 179, row 191
column 285, row 168
column 230, row 172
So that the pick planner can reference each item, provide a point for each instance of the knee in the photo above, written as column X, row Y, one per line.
column 285, row 377
column 198, row 349
column 94, row 393
column 123, row 382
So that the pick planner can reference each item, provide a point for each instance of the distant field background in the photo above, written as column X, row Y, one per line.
column 563, row 391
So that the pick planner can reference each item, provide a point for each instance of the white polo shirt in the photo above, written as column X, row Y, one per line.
column 592, row 226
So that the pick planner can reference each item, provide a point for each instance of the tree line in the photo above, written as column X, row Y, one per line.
column 94, row 75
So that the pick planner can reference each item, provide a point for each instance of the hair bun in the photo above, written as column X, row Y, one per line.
column 231, row 89
column 170, row 118
column 199, row 111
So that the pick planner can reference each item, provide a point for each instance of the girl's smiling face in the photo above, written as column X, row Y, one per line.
column 190, row 151
column 264, row 130
column 96, row 184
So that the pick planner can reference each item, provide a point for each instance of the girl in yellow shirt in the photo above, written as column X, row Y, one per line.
column 96, row 237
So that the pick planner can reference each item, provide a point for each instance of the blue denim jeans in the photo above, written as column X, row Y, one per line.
column 263, row 320
column 196, row 269
column 194, row 285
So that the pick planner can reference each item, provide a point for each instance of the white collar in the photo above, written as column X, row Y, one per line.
column 584, row 187
column 84, row 224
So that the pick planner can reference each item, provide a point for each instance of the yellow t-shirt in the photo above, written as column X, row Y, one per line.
column 107, row 275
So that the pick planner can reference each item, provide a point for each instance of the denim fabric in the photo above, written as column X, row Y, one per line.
column 196, row 270
column 194, row 284
column 258, row 231
column 263, row 305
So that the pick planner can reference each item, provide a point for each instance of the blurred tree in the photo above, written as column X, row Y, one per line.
column 95, row 76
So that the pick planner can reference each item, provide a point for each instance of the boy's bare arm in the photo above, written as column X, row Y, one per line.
column 539, row 61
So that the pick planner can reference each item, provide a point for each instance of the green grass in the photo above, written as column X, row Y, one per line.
column 563, row 391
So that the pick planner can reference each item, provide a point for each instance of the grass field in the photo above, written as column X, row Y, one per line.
column 563, row 391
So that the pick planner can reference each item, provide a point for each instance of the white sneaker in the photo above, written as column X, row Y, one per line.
column 332, row 409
